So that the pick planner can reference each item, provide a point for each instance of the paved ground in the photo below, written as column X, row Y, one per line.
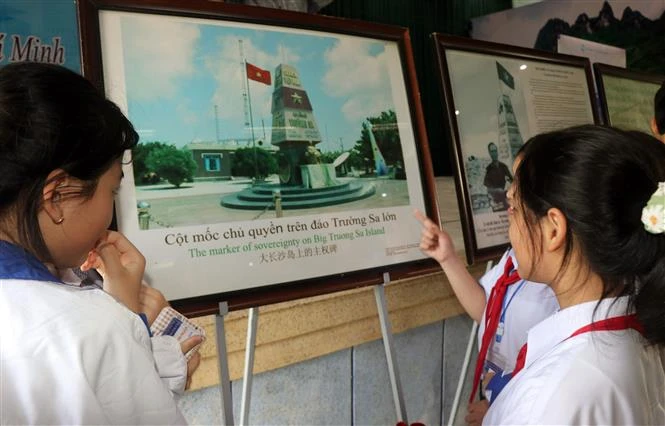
column 198, row 203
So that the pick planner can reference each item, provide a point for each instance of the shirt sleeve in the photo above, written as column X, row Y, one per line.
column 488, row 280
column 487, row 181
column 170, row 362
column 129, row 388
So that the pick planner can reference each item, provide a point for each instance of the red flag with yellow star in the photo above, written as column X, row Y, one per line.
column 257, row 74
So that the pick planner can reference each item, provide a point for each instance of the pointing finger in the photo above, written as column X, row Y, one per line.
column 425, row 221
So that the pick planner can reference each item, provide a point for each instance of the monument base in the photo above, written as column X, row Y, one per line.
column 260, row 197
column 318, row 175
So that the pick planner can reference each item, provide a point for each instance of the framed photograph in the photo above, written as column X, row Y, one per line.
column 497, row 97
column 281, row 154
column 626, row 97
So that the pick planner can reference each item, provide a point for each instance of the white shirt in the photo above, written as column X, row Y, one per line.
column 75, row 356
column 170, row 362
column 531, row 303
column 599, row 377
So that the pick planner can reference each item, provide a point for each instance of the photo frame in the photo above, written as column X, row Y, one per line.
column 306, row 143
column 626, row 96
column 497, row 97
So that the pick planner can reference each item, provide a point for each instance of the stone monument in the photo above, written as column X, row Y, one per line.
column 510, row 139
column 304, row 182
column 294, row 127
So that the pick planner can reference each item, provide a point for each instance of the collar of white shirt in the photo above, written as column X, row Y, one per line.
column 560, row 326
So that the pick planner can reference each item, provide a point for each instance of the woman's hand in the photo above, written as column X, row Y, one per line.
column 122, row 267
column 434, row 241
column 152, row 302
column 476, row 412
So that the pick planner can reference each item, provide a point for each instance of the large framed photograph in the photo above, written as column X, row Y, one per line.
column 497, row 97
column 281, row 154
column 626, row 96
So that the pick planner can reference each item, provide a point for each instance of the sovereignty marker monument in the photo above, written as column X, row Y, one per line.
column 304, row 182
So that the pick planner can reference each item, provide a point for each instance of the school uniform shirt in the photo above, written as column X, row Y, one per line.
column 599, row 377
column 71, row 355
column 170, row 362
column 525, row 304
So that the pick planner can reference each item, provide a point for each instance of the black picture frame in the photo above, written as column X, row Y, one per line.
column 554, row 91
column 626, row 97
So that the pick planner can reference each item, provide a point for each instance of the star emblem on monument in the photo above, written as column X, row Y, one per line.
column 297, row 99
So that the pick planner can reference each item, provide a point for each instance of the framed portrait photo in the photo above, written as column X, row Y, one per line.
column 281, row 154
column 626, row 96
column 497, row 97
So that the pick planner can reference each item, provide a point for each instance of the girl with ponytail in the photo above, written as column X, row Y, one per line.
column 587, row 217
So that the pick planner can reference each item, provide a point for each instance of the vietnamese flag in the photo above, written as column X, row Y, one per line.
column 257, row 74
column 505, row 76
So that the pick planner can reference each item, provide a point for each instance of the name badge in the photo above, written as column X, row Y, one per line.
column 499, row 333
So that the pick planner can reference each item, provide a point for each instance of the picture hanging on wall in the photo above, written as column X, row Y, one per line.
column 626, row 96
column 497, row 97
column 276, row 147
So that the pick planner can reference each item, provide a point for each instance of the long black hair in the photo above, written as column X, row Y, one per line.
column 52, row 118
column 601, row 178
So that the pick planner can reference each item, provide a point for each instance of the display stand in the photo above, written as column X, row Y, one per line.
column 227, row 402
column 398, row 398
column 465, row 365
column 252, row 320
column 222, row 358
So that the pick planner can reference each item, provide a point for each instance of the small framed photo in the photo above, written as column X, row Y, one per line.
column 497, row 97
column 626, row 96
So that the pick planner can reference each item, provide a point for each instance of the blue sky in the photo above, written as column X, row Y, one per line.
column 177, row 70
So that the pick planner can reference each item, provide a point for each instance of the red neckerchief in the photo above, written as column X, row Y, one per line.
column 492, row 314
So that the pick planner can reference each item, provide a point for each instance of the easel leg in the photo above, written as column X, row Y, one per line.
column 222, row 358
column 249, row 365
column 398, row 398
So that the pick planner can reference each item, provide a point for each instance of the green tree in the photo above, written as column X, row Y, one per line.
column 356, row 160
column 245, row 163
column 139, row 156
column 329, row 156
column 171, row 163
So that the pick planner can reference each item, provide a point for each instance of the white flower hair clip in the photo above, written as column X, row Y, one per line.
column 653, row 214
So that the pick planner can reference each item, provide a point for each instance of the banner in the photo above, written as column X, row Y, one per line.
column 39, row 31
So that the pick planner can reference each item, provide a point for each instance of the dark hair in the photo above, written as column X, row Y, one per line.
column 52, row 118
column 659, row 109
column 601, row 178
